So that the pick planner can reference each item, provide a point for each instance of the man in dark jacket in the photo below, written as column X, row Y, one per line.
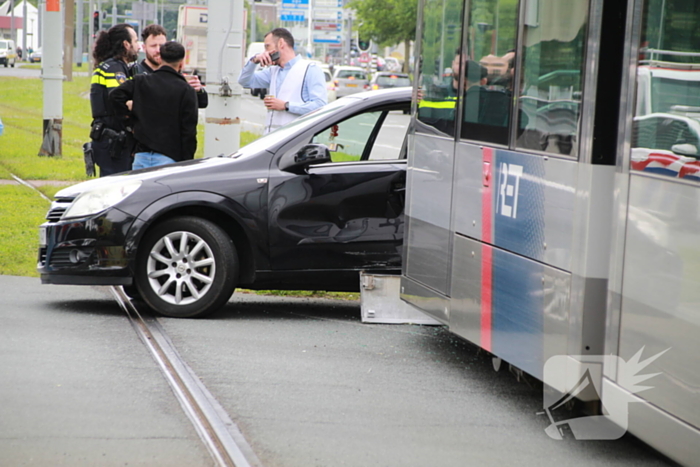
column 153, row 37
column 163, row 111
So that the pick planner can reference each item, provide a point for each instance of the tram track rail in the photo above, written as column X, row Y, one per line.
column 218, row 432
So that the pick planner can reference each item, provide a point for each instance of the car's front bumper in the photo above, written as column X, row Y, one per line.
column 89, row 251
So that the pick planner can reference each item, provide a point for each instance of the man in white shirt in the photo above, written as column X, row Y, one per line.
column 296, row 86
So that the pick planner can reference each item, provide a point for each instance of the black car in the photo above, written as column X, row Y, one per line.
column 303, row 208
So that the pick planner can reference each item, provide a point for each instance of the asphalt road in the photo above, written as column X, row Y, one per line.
column 306, row 382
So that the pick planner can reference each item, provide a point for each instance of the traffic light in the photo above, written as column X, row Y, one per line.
column 364, row 44
column 96, row 20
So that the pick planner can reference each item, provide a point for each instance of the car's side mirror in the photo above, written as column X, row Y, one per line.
column 306, row 156
column 685, row 149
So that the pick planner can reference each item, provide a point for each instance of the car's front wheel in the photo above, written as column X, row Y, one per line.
column 186, row 267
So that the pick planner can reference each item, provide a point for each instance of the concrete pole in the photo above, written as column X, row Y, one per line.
column 225, row 36
column 52, row 78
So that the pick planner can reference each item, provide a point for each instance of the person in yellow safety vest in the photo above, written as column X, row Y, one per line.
column 437, row 109
column 112, row 142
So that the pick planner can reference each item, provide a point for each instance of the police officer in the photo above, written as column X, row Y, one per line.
column 112, row 142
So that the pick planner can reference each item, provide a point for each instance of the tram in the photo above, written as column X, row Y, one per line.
column 553, row 198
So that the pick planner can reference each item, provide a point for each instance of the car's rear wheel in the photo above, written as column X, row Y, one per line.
column 187, row 267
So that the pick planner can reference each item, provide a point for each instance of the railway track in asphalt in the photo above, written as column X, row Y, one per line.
column 218, row 432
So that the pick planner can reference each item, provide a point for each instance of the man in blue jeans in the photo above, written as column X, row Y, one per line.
column 163, row 112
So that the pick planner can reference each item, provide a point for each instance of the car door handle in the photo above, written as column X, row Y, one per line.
column 398, row 187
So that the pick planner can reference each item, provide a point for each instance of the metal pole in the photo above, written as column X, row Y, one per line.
column 68, row 29
column 309, row 40
column 25, row 22
column 40, row 39
column 79, row 23
column 52, row 78
column 12, row 20
column 253, row 23
column 114, row 12
column 348, row 39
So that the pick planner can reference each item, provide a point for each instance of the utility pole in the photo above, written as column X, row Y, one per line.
column 25, row 24
column 79, row 35
column 253, row 23
column 52, row 78
column 68, row 30
column 12, row 20
column 225, row 31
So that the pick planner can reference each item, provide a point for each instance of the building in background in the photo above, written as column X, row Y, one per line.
column 32, row 24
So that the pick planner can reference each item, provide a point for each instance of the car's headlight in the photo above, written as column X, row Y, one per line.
column 100, row 198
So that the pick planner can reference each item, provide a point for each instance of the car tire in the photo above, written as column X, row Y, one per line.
column 165, row 277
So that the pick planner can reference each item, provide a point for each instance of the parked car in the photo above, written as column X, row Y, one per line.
column 35, row 56
column 330, row 86
column 392, row 64
column 384, row 79
column 305, row 207
column 8, row 54
column 349, row 80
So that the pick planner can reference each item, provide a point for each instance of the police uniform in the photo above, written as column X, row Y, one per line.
column 112, row 150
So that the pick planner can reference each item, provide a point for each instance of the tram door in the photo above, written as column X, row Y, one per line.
column 428, row 243
column 655, row 297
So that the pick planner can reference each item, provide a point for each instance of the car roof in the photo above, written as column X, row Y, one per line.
column 347, row 67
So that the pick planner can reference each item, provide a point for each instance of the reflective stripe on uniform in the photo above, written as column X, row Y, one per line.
column 446, row 104
column 104, row 78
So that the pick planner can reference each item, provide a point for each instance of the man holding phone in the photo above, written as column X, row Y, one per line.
column 296, row 86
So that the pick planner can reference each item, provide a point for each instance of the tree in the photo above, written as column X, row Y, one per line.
column 388, row 22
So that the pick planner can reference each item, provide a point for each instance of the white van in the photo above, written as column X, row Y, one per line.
column 253, row 49
column 8, row 52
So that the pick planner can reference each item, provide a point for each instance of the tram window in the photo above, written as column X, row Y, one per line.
column 442, row 26
column 488, row 66
column 552, row 70
column 666, row 126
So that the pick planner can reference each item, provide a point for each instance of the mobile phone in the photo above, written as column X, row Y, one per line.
column 274, row 56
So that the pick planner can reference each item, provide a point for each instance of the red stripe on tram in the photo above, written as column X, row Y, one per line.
column 486, row 251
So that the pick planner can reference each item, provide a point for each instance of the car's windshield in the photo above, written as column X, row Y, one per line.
column 667, row 93
column 351, row 74
column 3, row 44
column 290, row 129
column 392, row 80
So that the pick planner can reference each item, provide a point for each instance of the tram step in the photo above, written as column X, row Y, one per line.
column 380, row 302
